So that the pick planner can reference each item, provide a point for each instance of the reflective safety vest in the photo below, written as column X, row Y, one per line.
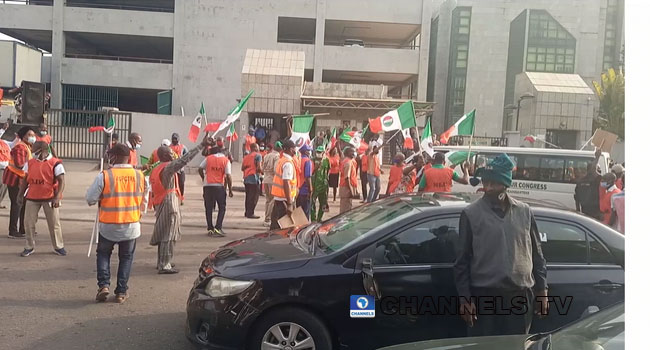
column 249, row 164
column 301, row 175
column 133, row 157
column 47, row 138
column 40, row 179
column 5, row 151
column 373, row 165
column 364, row 163
column 178, row 149
column 278, row 185
column 157, row 187
column 215, row 169
column 353, row 173
column 122, row 196
column 438, row 179
column 12, row 166
column 154, row 157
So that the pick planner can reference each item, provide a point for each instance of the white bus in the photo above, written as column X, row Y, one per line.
column 540, row 173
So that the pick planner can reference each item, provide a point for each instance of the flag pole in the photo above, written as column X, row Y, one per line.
column 471, row 139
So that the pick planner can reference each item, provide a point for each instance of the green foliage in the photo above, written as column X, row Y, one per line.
column 611, row 93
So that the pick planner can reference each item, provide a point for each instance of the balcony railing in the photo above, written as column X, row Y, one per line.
column 116, row 6
column 28, row 2
column 120, row 58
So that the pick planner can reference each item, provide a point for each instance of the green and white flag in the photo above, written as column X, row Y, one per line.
column 427, row 139
column 300, row 130
column 398, row 119
column 464, row 126
column 234, row 113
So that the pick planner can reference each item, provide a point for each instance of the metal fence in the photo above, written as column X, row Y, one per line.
column 71, row 138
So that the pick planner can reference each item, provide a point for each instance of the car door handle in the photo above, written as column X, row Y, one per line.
column 608, row 286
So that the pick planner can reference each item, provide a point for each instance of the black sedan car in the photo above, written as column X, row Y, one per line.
column 293, row 288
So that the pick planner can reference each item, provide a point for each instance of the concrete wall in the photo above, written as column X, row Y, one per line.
column 28, row 64
column 26, row 17
column 366, row 60
column 8, row 66
column 90, row 20
column 488, row 51
column 117, row 73
column 406, row 11
column 46, row 69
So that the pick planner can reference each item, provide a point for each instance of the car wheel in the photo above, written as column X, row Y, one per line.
column 290, row 329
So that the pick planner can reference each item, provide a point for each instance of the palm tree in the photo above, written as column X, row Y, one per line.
column 611, row 93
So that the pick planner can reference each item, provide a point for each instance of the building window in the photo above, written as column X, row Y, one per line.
column 460, row 28
column 611, row 55
column 551, row 48
column 295, row 30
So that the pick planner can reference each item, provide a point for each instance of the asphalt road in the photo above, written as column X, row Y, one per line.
column 47, row 301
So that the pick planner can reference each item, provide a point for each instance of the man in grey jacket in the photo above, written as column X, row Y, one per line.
column 499, row 265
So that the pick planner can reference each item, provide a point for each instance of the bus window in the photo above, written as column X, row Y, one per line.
column 483, row 159
column 576, row 168
column 527, row 168
column 551, row 169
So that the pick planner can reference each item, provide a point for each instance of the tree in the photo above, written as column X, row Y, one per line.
column 611, row 93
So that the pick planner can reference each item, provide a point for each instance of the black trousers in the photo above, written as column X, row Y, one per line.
column 214, row 195
column 181, row 182
column 364, row 184
column 252, row 196
column 16, row 213
column 279, row 210
column 502, row 312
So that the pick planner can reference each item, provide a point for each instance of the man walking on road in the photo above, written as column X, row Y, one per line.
column 499, row 259
column 305, row 188
column 43, row 186
column 320, row 184
column 120, row 191
column 19, row 155
column 285, row 184
column 215, row 172
column 374, row 173
column 166, row 201
column 349, row 185
column 268, row 165
column 251, row 167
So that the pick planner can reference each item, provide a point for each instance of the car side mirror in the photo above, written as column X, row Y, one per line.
column 369, row 282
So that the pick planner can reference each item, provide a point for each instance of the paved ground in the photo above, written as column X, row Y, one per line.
column 47, row 301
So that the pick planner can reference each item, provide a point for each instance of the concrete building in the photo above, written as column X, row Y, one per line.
column 478, row 48
column 356, row 58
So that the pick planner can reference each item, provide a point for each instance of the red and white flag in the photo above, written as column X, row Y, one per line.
column 231, row 135
column 196, row 125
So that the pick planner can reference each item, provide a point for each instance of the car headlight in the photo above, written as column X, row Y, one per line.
column 220, row 287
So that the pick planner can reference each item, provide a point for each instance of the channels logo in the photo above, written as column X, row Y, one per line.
column 388, row 121
column 362, row 306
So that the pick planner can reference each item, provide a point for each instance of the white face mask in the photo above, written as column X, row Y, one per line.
column 43, row 133
column 31, row 139
column 137, row 146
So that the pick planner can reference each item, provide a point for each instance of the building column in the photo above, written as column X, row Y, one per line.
column 425, row 39
column 320, row 40
column 58, row 52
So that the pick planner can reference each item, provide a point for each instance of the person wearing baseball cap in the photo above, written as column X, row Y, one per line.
column 305, row 188
column 285, row 184
column 499, row 256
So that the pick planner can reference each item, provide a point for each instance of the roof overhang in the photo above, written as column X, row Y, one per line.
column 363, row 103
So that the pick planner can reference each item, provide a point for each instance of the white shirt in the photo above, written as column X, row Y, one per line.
column 204, row 164
column 287, row 173
column 58, row 169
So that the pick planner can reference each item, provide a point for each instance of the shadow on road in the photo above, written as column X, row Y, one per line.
column 159, row 331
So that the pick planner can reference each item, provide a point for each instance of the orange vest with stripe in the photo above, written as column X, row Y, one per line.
column 353, row 173
column 5, row 151
column 215, row 169
column 12, row 166
column 40, row 179
column 249, row 164
column 178, row 149
column 47, row 138
column 133, row 157
column 157, row 187
column 122, row 196
column 438, row 179
column 278, row 185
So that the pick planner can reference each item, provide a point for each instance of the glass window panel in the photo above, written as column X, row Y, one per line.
column 551, row 169
column 462, row 47
column 531, row 57
column 541, row 50
column 598, row 253
column 560, row 51
column 540, row 67
column 527, row 168
column 462, row 55
column 530, row 66
column 461, row 64
column 464, row 22
column 550, row 50
column 463, row 30
column 564, row 243
column 568, row 59
column 560, row 59
column 550, row 59
column 550, row 67
column 570, row 51
column 532, row 49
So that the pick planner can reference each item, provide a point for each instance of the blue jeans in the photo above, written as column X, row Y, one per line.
column 304, row 202
column 125, row 253
column 373, row 192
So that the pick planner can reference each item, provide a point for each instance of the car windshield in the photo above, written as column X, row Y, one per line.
column 604, row 330
column 343, row 230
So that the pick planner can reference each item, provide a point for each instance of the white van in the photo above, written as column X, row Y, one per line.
column 541, row 173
